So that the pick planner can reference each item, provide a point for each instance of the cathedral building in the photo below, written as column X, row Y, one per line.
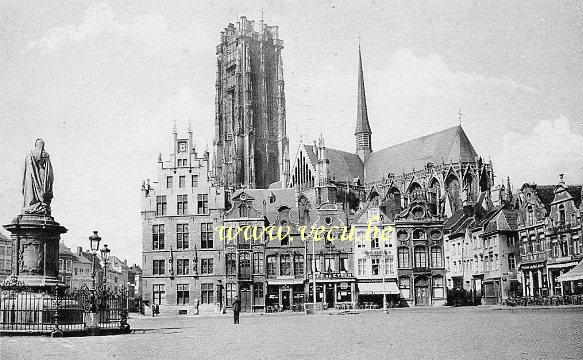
column 251, row 144
column 418, row 184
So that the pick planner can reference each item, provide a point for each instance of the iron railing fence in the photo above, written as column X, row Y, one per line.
column 24, row 308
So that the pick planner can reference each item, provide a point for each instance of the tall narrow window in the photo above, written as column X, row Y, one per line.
column 272, row 265
column 511, row 261
column 182, row 294
column 231, row 292
column 182, row 204
column 420, row 257
column 258, row 294
column 206, row 235
column 182, row 236
column 194, row 181
column 245, row 265
column 436, row 257
column 299, row 265
column 206, row 293
column 375, row 266
column 231, row 264
column 361, row 266
column 169, row 182
column 158, row 237
column 161, row 205
column 285, row 265
column 182, row 181
column 257, row 263
column 203, row 204
column 158, row 267
column 561, row 214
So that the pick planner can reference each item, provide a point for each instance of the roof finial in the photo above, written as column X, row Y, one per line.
column 460, row 116
column 189, row 126
column 174, row 131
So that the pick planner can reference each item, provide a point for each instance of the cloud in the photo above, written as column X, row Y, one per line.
column 550, row 149
column 429, row 74
column 99, row 19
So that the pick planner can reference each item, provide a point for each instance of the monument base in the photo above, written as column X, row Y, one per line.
column 35, row 254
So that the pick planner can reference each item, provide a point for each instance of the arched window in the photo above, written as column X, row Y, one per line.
column 434, row 192
column 452, row 186
column 415, row 192
column 470, row 188
column 420, row 257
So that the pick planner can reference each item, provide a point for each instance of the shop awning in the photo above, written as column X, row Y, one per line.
column 574, row 274
column 377, row 288
column 285, row 281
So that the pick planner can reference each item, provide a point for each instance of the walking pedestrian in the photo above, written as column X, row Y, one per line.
column 236, row 310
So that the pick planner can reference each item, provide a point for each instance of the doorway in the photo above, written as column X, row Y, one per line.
column 422, row 291
column 285, row 298
column 330, row 296
column 245, row 295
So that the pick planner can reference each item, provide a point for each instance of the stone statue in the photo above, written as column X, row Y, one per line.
column 37, row 182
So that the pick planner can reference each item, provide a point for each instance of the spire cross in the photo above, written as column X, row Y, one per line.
column 460, row 115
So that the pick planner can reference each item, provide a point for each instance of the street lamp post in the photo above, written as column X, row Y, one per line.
column 384, row 282
column 104, row 256
column 94, row 246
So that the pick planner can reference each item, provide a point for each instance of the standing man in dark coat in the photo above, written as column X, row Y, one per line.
column 236, row 310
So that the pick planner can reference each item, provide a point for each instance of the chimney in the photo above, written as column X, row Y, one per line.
column 79, row 250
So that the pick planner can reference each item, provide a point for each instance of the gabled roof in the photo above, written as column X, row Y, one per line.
column 342, row 164
column 575, row 192
column 283, row 197
column 449, row 145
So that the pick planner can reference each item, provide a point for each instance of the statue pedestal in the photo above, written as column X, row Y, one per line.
column 35, row 254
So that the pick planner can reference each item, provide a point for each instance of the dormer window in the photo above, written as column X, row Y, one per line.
column 271, row 198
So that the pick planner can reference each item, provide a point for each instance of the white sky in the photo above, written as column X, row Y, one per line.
column 102, row 83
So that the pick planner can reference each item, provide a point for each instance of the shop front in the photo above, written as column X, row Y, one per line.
column 333, row 293
column 370, row 294
column 285, row 295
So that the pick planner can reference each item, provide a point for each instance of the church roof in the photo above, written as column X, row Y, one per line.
column 447, row 146
column 362, row 125
column 342, row 164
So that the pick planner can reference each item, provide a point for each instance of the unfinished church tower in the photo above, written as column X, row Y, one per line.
column 251, row 144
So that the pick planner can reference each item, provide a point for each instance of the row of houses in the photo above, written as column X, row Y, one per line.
column 484, row 246
column 76, row 271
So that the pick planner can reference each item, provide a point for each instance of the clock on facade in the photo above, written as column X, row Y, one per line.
column 182, row 147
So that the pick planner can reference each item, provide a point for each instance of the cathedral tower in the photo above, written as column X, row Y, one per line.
column 251, row 144
column 362, row 131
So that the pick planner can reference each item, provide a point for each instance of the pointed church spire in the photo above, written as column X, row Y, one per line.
column 362, row 125
column 362, row 131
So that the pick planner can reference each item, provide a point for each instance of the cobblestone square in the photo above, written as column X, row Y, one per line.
column 422, row 333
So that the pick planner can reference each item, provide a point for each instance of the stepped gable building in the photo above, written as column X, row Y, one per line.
column 550, row 235
column 251, row 144
column 181, row 256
